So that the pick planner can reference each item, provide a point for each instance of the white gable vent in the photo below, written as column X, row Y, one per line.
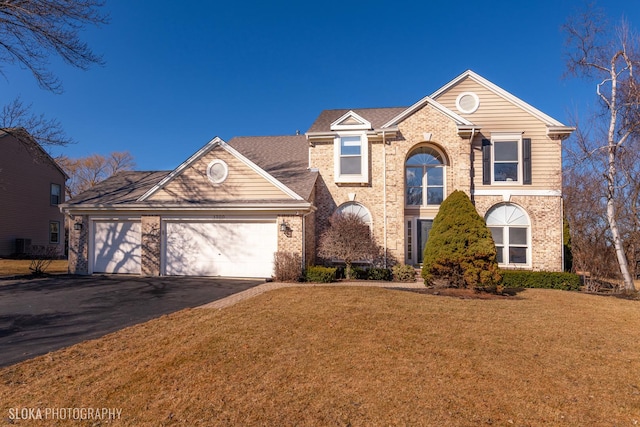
column 467, row 102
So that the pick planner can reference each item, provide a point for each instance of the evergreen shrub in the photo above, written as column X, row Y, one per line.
column 460, row 251
column 320, row 274
column 379, row 273
column 404, row 273
column 540, row 279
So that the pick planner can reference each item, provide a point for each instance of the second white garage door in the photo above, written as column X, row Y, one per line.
column 230, row 248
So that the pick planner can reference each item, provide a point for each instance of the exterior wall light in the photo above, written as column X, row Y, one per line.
column 77, row 226
column 284, row 227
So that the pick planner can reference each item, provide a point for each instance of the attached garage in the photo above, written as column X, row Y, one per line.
column 116, row 246
column 231, row 248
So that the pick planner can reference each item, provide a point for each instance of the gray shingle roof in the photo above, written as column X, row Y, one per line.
column 377, row 117
column 123, row 187
column 286, row 158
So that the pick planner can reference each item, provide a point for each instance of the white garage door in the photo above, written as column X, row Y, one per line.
column 232, row 249
column 116, row 247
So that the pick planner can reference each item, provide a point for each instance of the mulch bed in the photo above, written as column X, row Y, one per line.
column 464, row 293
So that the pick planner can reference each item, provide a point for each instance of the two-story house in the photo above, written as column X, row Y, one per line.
column 32, row 186
column 229, row 207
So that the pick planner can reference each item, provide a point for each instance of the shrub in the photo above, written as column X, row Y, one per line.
column 540, row 279
column 379, row 273
column 460, row 251
column 356, row 273
column 320, row 274
column 41, row 258
column 287, row 267
column 404, row 273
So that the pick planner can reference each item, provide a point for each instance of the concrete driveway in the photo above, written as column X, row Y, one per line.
column 41, row 315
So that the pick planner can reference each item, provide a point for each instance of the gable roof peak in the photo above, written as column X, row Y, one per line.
column 459, row 120
column 548, row 120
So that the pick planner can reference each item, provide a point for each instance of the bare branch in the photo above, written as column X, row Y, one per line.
column 32, row 30
column 46, row 132
column 594, row 53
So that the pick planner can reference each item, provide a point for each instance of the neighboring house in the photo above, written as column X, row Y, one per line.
column 32, row 187
column 229, row 207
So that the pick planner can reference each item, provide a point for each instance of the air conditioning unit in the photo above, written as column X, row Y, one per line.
column 23, row 246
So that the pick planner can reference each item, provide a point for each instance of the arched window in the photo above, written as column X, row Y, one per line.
column 356, row 209
column 424, row 177
column 510, row 228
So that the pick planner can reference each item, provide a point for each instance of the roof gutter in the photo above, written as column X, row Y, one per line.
column 156, row 207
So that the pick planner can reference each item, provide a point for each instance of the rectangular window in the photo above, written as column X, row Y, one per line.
column 54, row 232
column 414, row 185
column 517, row 245
column 512, row 247
column 351, row 158
column 56, row 192
column 497, row 234
column 409, row 241
column 505, row 161
column 435, row 186
column 350, row 155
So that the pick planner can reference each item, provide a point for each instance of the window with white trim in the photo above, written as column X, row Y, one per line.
column 506, row 159
column 56, row 193
column 54, row 232
column 356, row 209
column 510, row 228
column 424, row 177
column 351, row 158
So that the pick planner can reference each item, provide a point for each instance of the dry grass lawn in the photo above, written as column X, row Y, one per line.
column 20, row 267
column 355, row 356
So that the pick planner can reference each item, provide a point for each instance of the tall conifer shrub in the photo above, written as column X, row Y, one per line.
column 460, row 251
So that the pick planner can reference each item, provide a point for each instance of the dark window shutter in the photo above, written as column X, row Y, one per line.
column 526, row 161
column 486, row 162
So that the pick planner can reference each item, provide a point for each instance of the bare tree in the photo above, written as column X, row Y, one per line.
column 84, row 173
column 33, row 30
column 46, row 132
column 349, row 239
column 595, row 51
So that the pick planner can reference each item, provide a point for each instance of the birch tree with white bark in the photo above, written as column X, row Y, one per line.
column 609, row 56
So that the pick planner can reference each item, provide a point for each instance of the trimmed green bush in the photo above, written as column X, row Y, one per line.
column 357, row 273
column 320, row 274
column 540, row 279
column 363, row 273
column 379, row 273
column 404, row 273
column 460, row 251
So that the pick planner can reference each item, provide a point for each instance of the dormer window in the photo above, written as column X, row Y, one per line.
column 351, row 155
column 351, row 158
column 351, row 149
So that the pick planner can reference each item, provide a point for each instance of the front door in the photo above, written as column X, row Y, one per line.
column 424, row 227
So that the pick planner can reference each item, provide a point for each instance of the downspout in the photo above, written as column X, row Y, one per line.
column 384, row 196
column 563, row 266
column 304, row 240
column 471, row 167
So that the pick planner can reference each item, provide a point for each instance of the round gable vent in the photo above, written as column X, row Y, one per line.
column 217, row 171
column 467, row 102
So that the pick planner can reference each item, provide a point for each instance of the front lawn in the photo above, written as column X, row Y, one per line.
column 355, row 356
column 20, row 267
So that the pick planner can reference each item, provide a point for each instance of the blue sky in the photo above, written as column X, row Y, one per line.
column 178, row 74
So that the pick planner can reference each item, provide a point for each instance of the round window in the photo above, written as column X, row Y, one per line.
column 217, row 171
column 467, row 102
